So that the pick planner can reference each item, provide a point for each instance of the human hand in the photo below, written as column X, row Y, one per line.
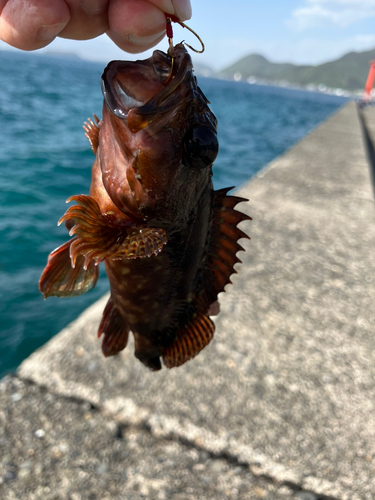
column 134, row 25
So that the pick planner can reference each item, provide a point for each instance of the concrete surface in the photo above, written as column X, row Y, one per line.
column 54, row 448
column 280, row 405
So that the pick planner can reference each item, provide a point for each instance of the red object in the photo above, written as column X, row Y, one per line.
column 169, row 29
column 369, row 82
column 171, row 19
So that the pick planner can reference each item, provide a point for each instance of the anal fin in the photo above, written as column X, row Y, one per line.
column 99, row 237
column 190, row 340
column 115, row 330
column 60, row 279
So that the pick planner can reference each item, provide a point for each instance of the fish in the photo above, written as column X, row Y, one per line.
column 168, row 240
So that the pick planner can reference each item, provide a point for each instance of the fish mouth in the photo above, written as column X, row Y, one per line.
column 144, row 88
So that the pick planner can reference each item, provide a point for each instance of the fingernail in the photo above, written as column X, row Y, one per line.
column 50, row 32
column 182, row 9
column 145, row 40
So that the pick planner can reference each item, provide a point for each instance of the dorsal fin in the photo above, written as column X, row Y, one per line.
column 222, row 247
column 92, row 132
column 189, row 341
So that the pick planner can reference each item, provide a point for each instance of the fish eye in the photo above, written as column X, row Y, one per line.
column 200, row 147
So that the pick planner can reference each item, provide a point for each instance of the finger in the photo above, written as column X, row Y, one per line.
column 32, row 24
column 179, row 8
column 135, row 25
column 88, row 19
column 182, row 9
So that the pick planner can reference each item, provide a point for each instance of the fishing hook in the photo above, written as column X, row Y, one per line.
column 170, row 19
column 169, row 31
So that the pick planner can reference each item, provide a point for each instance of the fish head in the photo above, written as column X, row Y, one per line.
column 159, row 120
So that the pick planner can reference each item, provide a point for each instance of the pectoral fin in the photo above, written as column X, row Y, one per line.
column 98, row 237
column 60, row 279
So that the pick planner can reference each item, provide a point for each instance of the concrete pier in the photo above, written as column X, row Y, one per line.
column 281, row 405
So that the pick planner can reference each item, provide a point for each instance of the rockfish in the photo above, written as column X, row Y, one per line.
column 167, row 239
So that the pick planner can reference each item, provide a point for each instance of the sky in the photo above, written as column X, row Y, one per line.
column 298, row 31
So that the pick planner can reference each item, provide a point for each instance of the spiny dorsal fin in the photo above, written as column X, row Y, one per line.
column 222, row 247
column 92, row 132
column 115, row 330
column 190, row 340
column 99, row 238
column 60, row 279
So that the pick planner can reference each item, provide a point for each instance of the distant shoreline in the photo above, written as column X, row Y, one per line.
column 203, row 71
column 319, row 89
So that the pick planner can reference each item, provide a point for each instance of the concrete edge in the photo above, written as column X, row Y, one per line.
column 368, row 143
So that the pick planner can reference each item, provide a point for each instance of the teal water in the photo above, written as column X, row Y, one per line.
column 45, row 158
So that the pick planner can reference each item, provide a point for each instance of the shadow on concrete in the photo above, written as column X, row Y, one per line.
column 370, row 148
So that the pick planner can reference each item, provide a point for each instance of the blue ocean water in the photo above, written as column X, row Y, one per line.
column 45, row 158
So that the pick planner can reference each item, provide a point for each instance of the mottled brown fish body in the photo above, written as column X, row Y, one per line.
column 168, row 240
column 159, row 295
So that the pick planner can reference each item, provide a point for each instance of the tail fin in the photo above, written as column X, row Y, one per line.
column 190, row 340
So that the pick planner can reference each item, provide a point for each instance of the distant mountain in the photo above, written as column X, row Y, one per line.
column 60, row 55
column 349, row 72
column 203, row 70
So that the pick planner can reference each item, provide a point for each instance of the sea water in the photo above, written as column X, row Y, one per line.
column 45, row 158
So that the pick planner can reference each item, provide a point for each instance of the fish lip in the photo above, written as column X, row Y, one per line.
column 158, row 103
column 110, row 100
column 110, row 97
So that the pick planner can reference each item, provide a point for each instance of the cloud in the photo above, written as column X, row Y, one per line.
column 316, row 13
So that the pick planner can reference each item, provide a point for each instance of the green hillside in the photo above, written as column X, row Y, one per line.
column 349, row 72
